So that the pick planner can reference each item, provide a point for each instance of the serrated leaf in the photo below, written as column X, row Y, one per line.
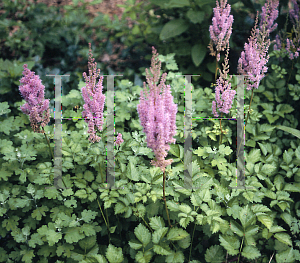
column 176, row 233
column 142, row 234
column 230, row 243
column 287, row 157
column 143, row 257
column 159, row 234
column 53, row 237
column 251, row 252
column 162, row 249
column 88, row 215
column 114, row 254
column 265, row 220
column 156, row 222
column 214, row 254
column 254, row 156
column 175, row 257
column 284, row 238
column 135, row 244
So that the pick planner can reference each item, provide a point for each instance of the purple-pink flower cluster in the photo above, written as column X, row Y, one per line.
column 93, row 98
column 221, row 28
column 224, row 95
column 294, row 12
column 157, row 114
column 254, row 59
column 291, row 50
column 36, row 106
column 268, row 15
column 119, row 139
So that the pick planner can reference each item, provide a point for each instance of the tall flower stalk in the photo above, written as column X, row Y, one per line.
column 254, row 59
column 224, row 94
column 36, row 107
column 157, row 114
column 93, row 98
column 220, row 32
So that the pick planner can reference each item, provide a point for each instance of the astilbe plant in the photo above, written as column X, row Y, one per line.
column 93, row 107
column 36, row 106
column 94, row 100
column 292, row 46
column 254, row 59
column 221, row 29
column 224, row 94
column 157, row 114
column 220, row 32
column 32, row 90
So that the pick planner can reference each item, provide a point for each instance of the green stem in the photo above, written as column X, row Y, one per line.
column 246, row 121
column 164, row 197
column 51, row 152
column 216, row 67
column 106, row 223
column 48, row 143
column 220, row 142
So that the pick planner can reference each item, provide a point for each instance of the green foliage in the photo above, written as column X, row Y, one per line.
column 88, row 222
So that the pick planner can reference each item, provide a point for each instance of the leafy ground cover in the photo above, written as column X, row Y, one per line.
column 150, row 215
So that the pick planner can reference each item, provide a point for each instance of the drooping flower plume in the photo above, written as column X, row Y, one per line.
column 93, row 98
column 32, row 90
column 221, row 28
column 157, row 114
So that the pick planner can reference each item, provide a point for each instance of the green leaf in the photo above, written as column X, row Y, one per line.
column 88, row 215
column 156, row 222
column 53, row 237
column 173, row 28
column 265, row 220
column 205, row 2
column 263, row 148
column 195, row 16
column 135, row 244
column 224, row 150
column 88, row 242
column 88, row 175
column 175, row 257
column 162, row 249
column 143, row 257
column 284, row 238
column 287, row 157
column 114, row 254
column 178, row 3
column 236, row 228
column 253, row 156
column 142, row 234
column 230, row 243
column 28, row 255
column 159, row 234
column 289, row 130
column 286, row 256
column 251, row 252
column 198, row 53
column 177, row 234
column 214, row 254
column 4, row 108
column 81, row 194
column 89, row 230
column 73, row 236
